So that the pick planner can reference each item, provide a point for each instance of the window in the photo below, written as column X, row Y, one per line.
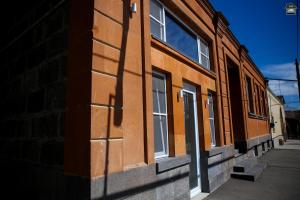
column 249, row 95
column 160, row 115
column 181, row 38
column 212, row 119
column 169, row 29
column 263, row 103
column 204, row 54
column 258, row 100
column 157, row 20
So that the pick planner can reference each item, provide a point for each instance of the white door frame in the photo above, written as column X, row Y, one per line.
column 192, row 90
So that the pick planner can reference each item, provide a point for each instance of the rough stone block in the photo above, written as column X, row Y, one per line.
column 52, row 153
column 37, row 56
column 36, row 101
column 57, row 44
column 49, row 72
column 55, row 96
column 31, row 150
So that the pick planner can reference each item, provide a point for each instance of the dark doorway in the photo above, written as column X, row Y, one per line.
column 236, row 104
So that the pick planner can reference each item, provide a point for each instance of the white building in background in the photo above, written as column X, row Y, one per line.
column 277, row 117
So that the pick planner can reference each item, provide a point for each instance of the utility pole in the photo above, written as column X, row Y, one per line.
column 297, row 46
column 298, row 76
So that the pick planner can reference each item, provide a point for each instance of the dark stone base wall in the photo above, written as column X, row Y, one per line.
column 249, row 154
column 33, row 61
column 27, row 181
column 216, row 166
column 219, row 174
column 144, row 183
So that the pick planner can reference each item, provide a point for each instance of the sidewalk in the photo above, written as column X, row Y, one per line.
column 279, row 181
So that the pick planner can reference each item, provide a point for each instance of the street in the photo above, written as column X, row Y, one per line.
column 279, row 181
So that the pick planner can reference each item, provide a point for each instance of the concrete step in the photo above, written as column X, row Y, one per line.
column 250, row 175
column 240, row 157
column 244, row 165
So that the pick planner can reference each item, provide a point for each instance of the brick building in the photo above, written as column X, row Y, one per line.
column 126, row 99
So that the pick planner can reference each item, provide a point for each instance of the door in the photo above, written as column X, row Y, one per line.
column 236, row 108
column 192, row 137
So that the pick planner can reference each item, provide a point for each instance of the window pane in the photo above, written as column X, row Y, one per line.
column 156, row 29
column 160, row 134
column 204, row 61
column 212, row 131
column 211, row 108
column 180, row 38
column 211, row 119
column 249, row 95
column 156, row 10
column 204, row 48
column 159, row 94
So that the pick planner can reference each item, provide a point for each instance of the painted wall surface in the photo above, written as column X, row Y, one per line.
column 277, row 115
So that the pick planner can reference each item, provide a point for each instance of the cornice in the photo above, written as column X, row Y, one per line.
column 209, row 9
column 221, row 24
column 244, row 55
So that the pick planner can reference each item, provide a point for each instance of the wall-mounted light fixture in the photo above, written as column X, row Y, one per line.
column 179, row 94
column 133, row 7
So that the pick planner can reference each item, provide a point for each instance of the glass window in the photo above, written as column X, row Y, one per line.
column 263, row 103
column 160, row 115
column 212, row 119
column 204, row 54
column 257, row 99
column 167, row 28
column 157, row 19
column 156, row 10
column 180, row 38
column 157, row 29
column 249, row 95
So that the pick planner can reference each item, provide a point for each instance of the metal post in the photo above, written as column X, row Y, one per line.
column 298, row 77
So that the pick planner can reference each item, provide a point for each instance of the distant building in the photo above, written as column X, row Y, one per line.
column 277, row 117
column 293, row 124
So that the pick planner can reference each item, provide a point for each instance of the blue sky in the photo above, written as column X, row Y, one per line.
column 270, row 36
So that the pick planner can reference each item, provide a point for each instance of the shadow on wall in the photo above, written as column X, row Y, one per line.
column 142, row 189
column 118, row 110
column 153, row 182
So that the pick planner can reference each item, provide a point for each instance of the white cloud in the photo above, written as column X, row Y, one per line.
column 284, row 88
column 283, row 71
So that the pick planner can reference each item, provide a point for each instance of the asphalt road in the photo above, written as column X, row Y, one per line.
column 279, row 181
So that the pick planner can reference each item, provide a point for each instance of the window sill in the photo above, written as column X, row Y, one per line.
column 168, row 163
column 254, row 116
column 218, row 150
column 170, row 50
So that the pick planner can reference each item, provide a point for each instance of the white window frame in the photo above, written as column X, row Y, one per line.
column 165, row 152
column 248, row 95
column 212, row 135
column 199, row 39
column 163, row 24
